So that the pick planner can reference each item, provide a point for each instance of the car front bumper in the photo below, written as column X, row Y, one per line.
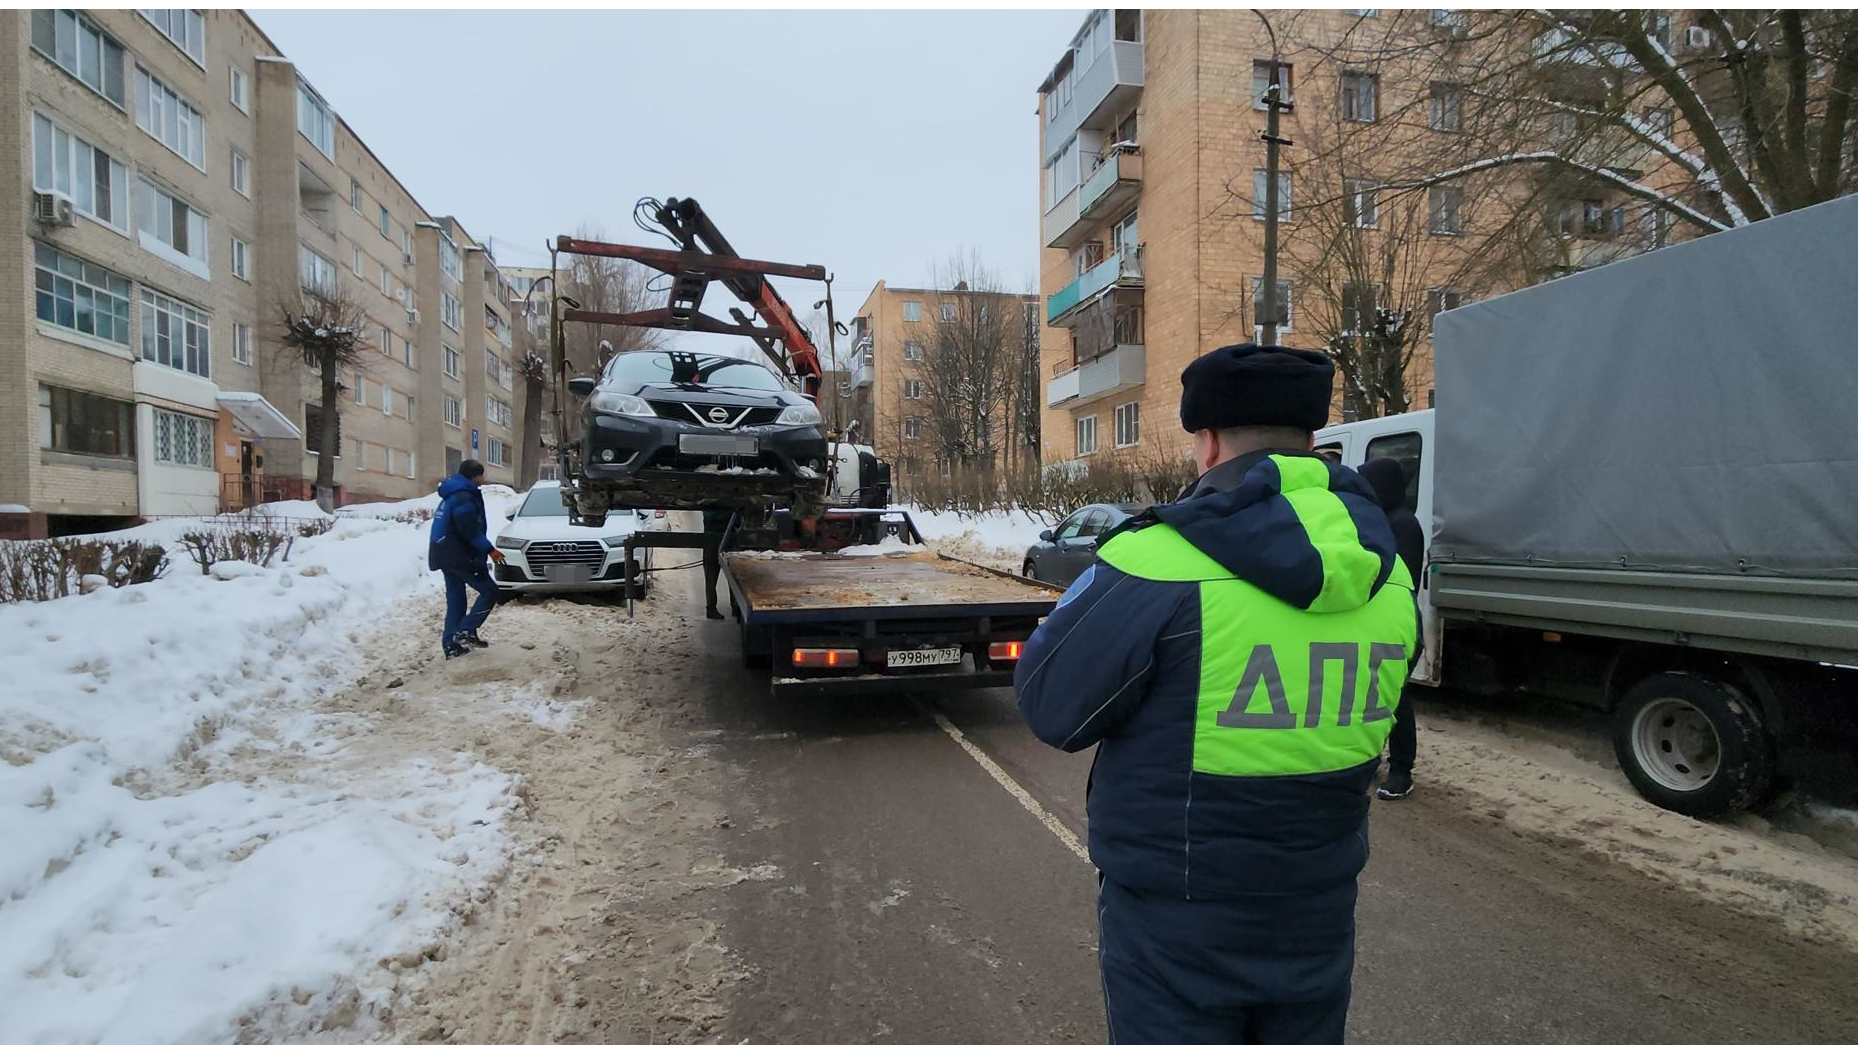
column 534, row 569
column 637, row 462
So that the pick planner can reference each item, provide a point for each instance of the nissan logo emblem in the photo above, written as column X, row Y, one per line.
column 718, row 414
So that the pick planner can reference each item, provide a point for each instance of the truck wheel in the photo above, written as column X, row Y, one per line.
column 1692, row 744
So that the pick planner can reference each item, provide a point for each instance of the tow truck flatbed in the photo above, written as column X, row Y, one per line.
column 775, row 587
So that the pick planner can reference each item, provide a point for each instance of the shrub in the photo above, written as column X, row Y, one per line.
column 314, row 527
column 36, row 571
column 257, row 545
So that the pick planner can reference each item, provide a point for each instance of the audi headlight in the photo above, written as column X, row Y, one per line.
column 801, row 414
column 514, row 544
column 619, row 403
column 615, row 541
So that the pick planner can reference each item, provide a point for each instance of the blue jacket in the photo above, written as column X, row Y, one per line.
column 1118, row 665
column 460, row 536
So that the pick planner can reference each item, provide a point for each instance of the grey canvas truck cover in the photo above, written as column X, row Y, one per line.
column 1662, row 448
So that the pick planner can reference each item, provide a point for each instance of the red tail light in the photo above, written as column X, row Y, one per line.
column 1005, row 650
column 825, row 658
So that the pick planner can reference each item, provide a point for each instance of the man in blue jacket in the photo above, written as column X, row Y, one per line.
column 1235, row 657
column 459, row 543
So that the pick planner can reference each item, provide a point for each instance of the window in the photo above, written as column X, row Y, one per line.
column 386, row 281
column 1657, row 226
column 80, row 48
column 406, row 243
column 912, row 428
column 497, row 325
column 1360, row 96
column 448, row 259
column 1261, row 80
column 183, row 439
column 912, row 311
column 1442, row 299
column 450, row 312
column 186, row 29
column 313, row 429
column 77, row 295
column 913, row 350
column 387, row 341
column 1283, row 195
column 317, row 272
column 1658, row 122
column 454, row 412
column 1447, row 107
column 1361, row 204
column 315, row 120
column 1286, row 315
column 948, row 312
column 386, row 222
column 241, row 259
column 1360, row 307
column 1086, row 436
column 454, row 363
column 75, row 422
column 499, row 372
column 387, row 400
column 242, row 343
column 1128, row 424
column 912, row 389
column 1406, row 448
column 171, row 228
column 169, row 118
column 406, row 352
column 1444, row 208
column 241, row 91
column 1450, row 21
column 1363, row 12
column 95, row 183
column 361, row 390
column 499, row 452
column 175, row 334
column 1659, row 28
column 241, row 174
column 354, row 264
column 354, row 195
column 498, row 411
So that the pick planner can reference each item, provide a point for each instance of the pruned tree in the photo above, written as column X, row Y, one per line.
column 970, row 362
column 533, row 368
column 324, row 330
column 1025, row 407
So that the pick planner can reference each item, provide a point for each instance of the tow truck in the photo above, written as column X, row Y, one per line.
column 833, row 588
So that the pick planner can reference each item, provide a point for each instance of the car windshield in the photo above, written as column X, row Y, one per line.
column 632, row 369
column 543, row 504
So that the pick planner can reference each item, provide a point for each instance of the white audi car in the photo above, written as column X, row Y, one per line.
column 543, row 553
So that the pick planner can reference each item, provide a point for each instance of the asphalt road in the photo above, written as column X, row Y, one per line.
column 919, row 899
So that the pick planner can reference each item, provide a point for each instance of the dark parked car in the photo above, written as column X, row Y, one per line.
column 1068, row 549
column 664, row 429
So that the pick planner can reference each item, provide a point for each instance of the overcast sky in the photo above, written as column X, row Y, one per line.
column 874, row 144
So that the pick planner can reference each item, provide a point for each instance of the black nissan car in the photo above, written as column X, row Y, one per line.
column 664, row 429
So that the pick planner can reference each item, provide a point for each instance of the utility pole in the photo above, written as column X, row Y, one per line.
column 1274, row 103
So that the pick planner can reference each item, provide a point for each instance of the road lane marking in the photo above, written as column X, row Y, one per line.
column 1020, row 794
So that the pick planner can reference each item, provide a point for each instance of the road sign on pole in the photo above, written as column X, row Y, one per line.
column 474, row 440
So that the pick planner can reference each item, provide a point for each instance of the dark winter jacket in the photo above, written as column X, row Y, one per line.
column 1119, row 664
column 460, row 536
column 1389, row 480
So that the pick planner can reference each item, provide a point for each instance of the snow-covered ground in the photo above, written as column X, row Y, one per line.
column 996, row 539
column 152, row 889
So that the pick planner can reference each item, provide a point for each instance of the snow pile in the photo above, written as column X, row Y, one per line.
column 996, row 539
column 888, row 546
column 147, row 895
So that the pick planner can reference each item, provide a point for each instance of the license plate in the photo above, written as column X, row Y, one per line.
column 568, row 574
column 719, row 445
column 922, row 658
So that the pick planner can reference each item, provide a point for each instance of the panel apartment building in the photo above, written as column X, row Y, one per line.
column 1152, row 178
column 168, row 182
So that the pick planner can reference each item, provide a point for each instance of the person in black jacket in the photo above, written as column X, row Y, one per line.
column 457, row 547
column 1234, row 657
column 1390, row 480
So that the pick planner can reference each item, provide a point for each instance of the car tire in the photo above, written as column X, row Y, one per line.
column 1029, row 571
column 1693, row 744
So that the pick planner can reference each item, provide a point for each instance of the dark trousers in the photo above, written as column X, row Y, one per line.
column 457, row 621
column 1403, row 742
column 712, row 566
column 1181, row 972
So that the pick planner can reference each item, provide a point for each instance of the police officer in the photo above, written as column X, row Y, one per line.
column 1235, row 656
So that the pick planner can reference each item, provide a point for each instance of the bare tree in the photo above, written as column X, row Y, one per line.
column 602, row 284
column 969, row 363
column 533, row 368
column 323, row 329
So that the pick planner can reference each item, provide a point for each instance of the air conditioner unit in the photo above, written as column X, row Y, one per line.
column 412, row 315
column 51, row 208
column 1696, row 37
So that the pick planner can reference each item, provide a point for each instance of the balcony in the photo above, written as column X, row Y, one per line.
column 1115, row 183
column 1118, row 270
column 1120, row 369
column 1110, row 83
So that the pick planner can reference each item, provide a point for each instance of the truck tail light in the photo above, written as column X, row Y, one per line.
column 826, row 658
column 1005, row 650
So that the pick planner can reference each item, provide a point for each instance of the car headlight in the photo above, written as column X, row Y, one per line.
column 801, row 414
column 514, row 544
column 615, row 541
column 619, row 403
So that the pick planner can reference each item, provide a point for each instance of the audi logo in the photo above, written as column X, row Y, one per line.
column 566, row 548
column 718, row 414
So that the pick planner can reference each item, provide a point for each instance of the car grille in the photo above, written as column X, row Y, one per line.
column 565, row 553
column 699, row 414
